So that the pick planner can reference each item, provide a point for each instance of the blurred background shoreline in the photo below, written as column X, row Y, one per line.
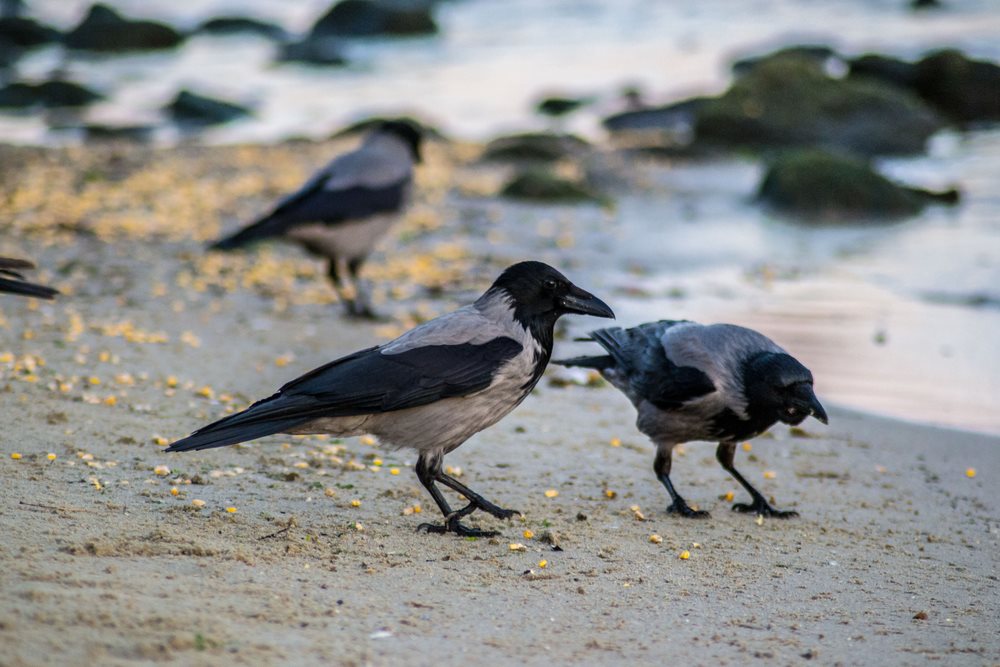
column 898, row 319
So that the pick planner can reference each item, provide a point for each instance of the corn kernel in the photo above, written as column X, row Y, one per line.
column 231, row 510
column 729, row 496
column 417, row 509
column 543, row 563
column 759, row 520
column 747, row 446
column 94, row 380
column 616, row 442
column 355, row 503
column 329, row 493
column 367, row 440
column 970, row 472
column 655, row 539
column 172, row 381
column 528, row 534
column 15, row 455
column 161, row 470
column 517, row 546
column 684, row 555
column 770, row 474
column 110, row 400
column 393, row 471
column 198, row 503
column 551, row 493
column 610, row 493
column 205, row 392
column 300, row 464
column 50, row 456
column 160, row 440
column 174, row 491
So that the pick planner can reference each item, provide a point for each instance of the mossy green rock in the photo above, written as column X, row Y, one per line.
column 46, row 94
column 542, row 185
column 537, row 147
column 823, row 186
column 790, row 101
column 104, row 29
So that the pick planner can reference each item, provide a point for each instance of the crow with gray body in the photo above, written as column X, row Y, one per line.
column 719, row 382
column 12, row 282
column 345, row 208
column 431, row 388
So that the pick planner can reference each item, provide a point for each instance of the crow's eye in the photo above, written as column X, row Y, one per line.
column 550, row 285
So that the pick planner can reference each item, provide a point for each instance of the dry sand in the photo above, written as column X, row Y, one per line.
column 894, row 559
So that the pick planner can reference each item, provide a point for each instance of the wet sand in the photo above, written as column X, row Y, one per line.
column 895, row 553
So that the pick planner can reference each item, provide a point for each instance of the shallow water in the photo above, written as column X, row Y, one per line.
column 901, row 319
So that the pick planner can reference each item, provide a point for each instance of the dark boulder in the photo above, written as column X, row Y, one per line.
column 791, row 101
column 675, row 117
column 360, row 18
column 228, row 25
column 818, row 54
column 542, row 185
column 191, row 109
column 884, row 68
column 104, row 29
column 561, row 106
column 536, row 147
column 49, row 94
column 326, row 51
column 26, row 33
column 821, row 186
column 965, row 89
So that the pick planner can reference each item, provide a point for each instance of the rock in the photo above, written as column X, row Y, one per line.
column 814, row 184
column 26, row 33
column 965, row 89
column 819, row 54
column 679, row 116
column 542, row 185
column 49, row 94
column 191, row 109
column 537, row 147
column 426, row 129
column 360, row 18
column 132, row 133
column 227, row 25
column 104, row 29
column 316, row 51
column 560, row 106
column 888, row 69
column 790, row 101
column 925, row 4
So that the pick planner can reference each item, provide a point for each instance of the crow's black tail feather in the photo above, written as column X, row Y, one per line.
column 600, row 363
column 265, row 228
column 27, row 289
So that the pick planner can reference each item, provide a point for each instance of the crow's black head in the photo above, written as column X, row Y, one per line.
column 539, row 295
column 408, row 132
column 779, row 388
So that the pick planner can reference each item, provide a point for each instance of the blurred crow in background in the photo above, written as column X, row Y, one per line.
column 345, row 208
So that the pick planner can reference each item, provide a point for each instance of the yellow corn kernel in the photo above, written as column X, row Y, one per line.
column 50, row 456
column 15, row 455
column 729, row 496
column 160, row 440
column 551, row 493
column 684, row 555
column 528, row 534
column 610, row 493
column 172, row 381
column 355, row 503
column 110, row 400
column 517, row 546
column 329, row 493
column 174, row 491
column 655, row 539
column 198, row 503
column 616, row 442
column 970, row 472
column 367, row 440
column 770, row 474
column 393, row 471
column 543, row 563
column 747, row 446
column 94, row 380
column 231, row 510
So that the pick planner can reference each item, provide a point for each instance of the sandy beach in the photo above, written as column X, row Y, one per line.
column 304, row 550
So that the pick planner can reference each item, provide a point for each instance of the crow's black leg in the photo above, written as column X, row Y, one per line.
column 661, row 466
column 333, row 271
column 725, row 453
column 363, row 304
column 474, row 498
column 428, row 466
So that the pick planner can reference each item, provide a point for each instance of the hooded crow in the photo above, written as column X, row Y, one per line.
column 345, row 208
column 719, row 382
column 12, row 282
column 431, row 388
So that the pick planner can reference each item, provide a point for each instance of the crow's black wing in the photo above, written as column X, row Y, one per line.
column 365, row 382
column 639, row 354
column 13, row 282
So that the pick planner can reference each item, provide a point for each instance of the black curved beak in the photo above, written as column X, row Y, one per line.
column 580, row 301
column 816, row 408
